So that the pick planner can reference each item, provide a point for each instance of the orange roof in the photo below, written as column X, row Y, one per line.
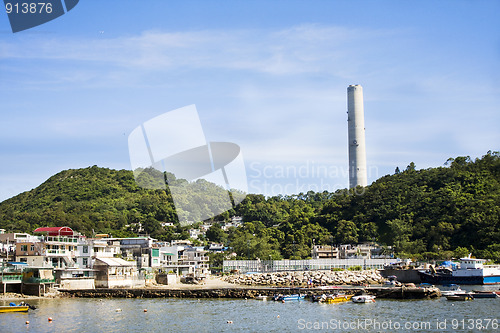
column 56, row 231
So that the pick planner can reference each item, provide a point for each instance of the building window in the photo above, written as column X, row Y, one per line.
column 32, row 247
column 24, row 248
column 85, row 261
column 85, row 249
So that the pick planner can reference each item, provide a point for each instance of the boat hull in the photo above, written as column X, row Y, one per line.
column 13, row 309
column 460, row 298
column 451, row 279
column 291, row 298
column 336, row 299
column 484, row 295
column 363, row 299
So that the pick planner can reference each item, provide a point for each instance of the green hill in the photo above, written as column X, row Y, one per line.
column 436, row 210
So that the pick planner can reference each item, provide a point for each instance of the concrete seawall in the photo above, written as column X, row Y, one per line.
column 380, row 292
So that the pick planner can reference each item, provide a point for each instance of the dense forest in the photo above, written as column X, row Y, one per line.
column 433, row 213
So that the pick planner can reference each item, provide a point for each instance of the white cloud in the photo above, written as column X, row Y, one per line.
column 280, row 94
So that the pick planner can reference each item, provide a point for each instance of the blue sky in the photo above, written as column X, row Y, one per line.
column 270, row 76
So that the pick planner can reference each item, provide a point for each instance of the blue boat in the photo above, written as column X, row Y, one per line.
column 294, row 297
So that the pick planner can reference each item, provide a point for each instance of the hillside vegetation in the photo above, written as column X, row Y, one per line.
column 437, row 212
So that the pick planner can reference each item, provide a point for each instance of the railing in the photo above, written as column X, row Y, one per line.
column 38, row 280
column 11, row 278
column 173, row 263
column 301, row 265
column 60, row 239
column 59, row 252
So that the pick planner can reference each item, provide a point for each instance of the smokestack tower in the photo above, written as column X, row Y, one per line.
column 356, row 134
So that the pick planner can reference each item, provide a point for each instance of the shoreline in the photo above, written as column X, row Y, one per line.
column 250, row 293
column 217, row 287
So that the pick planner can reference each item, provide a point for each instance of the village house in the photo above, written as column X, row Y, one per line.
column 57, row 247
column 325, row 252
column 116, row 272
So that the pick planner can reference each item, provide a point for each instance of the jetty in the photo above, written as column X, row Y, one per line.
column 401, row 292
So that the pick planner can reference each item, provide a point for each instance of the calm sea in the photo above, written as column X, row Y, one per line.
column 212, row 315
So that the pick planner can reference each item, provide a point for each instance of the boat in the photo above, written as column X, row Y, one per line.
column 330, row 299
column 294, row 297
column 459, row 297
column 392, row 280
column 262, row 297
column 484, row 294
column 363, row 299
column 17, row 308
column 12, row 307
column 451, row 289
column 470, row 271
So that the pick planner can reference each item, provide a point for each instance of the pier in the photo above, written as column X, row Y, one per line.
column 379, row 292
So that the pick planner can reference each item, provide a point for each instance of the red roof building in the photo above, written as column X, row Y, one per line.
column 56, row 231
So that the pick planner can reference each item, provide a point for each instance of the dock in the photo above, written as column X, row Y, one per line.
column 379, row 292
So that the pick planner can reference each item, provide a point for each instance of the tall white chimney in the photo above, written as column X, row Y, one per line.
column 356, row 134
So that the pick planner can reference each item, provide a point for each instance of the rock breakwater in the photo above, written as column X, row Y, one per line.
column 302, row 278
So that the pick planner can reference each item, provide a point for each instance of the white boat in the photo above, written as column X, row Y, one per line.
column 470, row 271
column 363, row 299
column 391, row 280
column 451, row 290
column 262, row 297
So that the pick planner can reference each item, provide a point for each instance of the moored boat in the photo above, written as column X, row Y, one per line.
column 330, row 299
column 451, row 289
column 484, row 294
column 391, row 280
column 262, row 297
column 15, row 308
column 363, row 299
column 471, row 271
column 294, row 297
column 459, row 297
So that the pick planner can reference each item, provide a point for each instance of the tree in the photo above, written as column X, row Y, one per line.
column 216, row 234
column 400, row 231
column 411, row 167
column 347, row 232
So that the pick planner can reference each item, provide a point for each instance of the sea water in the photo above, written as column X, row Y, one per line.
column 239, row 315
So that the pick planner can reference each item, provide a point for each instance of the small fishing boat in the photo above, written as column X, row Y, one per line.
column 12, row 307
column 330, row 299
column 363, row 299
column 459, row 297
column 451, row 289
column 483, row 294
column 391, row 280
column 294, row 297
column 262, row 297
